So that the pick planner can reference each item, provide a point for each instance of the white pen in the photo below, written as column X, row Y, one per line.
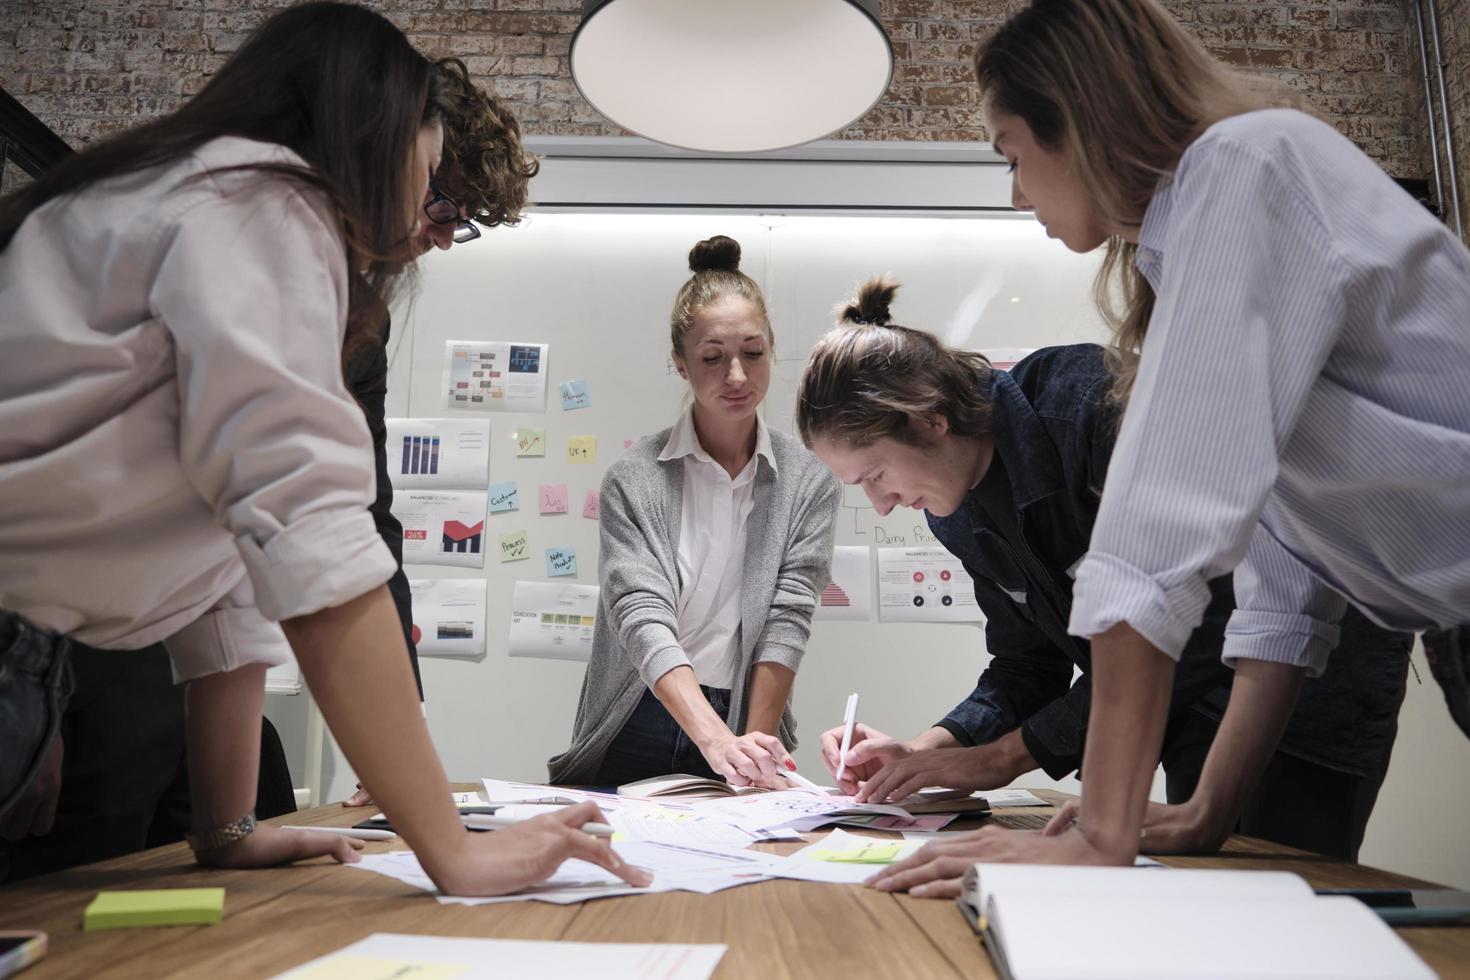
column 360, row 834
column 494, row 821
column 849, row 719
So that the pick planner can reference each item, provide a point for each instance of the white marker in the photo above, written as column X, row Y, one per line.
column 350, row 832
column 494, row 821
column 849, row 720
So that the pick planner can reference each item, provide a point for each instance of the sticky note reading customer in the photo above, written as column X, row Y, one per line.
column 590, row 506
column 561, row 561
column 504, row 497
column 514, row 546
column 574, row 395
column 553, row 497
column 582, row 449
column 530, row 441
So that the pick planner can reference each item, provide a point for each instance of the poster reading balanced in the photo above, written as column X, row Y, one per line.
column 924, row 585
column 442, row 527
column 484, row 376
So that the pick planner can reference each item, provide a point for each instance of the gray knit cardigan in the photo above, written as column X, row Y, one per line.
column 788, row 562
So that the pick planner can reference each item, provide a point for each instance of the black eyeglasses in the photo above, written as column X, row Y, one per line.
column 443, row 209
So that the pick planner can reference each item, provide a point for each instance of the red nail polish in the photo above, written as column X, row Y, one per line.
column 791, row 764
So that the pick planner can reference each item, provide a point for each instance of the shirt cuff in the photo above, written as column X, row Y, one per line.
column 960, row 733
column 1109, row 591
column 1282, row 638
column 223, row 640
column 1054, row 765
column 657, row 650
column 779, row 653
column 320, row 561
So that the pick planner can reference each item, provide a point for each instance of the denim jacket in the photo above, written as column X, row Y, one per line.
column 1022, row 531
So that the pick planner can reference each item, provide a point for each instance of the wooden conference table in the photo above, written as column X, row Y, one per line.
column 278, row 919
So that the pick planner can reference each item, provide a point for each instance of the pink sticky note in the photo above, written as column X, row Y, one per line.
column 553, row 497
column 589, row 506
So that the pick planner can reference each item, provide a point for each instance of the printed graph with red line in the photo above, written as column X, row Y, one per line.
column 833, row 595
column 460, row 537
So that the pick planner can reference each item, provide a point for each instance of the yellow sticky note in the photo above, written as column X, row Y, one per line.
column 155, row 907
column 879, row 852
column 349, row 966
column 514, row 546
column 582, row 449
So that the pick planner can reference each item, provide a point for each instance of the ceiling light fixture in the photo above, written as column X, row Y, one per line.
column 731, row 76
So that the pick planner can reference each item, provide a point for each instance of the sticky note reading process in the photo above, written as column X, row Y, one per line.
column 574, row 395
column 155, row 907
column 553, row 497
column 504, row 497
column 591, row 507
column 582, row 449
column 561, row 561
column 530, row 441
column 514, row 546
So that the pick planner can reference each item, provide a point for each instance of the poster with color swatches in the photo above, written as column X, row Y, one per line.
column 448, row 616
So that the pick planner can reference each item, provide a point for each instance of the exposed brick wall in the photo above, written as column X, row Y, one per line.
column 89, row 66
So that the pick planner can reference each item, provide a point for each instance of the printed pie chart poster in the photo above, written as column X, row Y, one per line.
column 924, row 585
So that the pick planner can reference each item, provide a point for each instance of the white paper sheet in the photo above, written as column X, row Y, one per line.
column 802, row 811
column 552, row 620
column 924, row 585
column 485, row 376
column 850, row 594
column 449, row 616
column 704, row 869
column 1011, row 797
column 442, row 527
column 808, row 864
column 386, row 956
column 439, row 454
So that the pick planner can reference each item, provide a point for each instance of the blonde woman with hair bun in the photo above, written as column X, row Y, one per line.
column 1291, row 345
column 716, row 542
column 1008, row 467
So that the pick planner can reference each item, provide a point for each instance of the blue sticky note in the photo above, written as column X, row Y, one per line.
column 561, row 561
column 504, row 497
column 574, row 394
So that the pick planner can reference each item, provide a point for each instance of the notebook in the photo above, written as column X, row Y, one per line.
column 1042, row 922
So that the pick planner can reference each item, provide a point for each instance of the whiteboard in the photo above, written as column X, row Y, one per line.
column 597, row 288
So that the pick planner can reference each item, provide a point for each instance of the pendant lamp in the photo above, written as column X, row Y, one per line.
column 731, row 76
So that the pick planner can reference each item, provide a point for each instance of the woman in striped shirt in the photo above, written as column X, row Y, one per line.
column 1292, row 349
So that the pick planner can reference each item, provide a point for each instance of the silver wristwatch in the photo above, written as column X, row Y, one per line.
column 208, row 840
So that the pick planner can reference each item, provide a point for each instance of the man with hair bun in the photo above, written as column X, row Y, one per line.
column 716, row 542
column 1009, row 469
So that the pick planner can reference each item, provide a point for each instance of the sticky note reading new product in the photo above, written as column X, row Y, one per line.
column 504, row 497
column 514, row 546
column 582, row 449
column 530, row 441
column 553, row 497
column 591, row 507
column 878, row 852
column 561, row 561
column 574, row 395
column 155, row 907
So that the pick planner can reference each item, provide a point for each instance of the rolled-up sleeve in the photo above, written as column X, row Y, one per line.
column 253, row 289
column 1283, row 612
column 1249, row 304
column 231, row 635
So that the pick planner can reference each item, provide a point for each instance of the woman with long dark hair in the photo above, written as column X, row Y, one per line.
column 180, row 459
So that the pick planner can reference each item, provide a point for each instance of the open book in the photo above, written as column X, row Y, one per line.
column 680, row 786
column 1043, row 922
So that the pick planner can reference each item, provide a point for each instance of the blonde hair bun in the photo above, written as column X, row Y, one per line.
column 718, row 253
column 872, row 303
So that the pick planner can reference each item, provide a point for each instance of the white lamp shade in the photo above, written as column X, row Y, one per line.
column 732, row 76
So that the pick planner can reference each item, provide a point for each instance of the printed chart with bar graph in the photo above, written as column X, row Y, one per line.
column 463, row 538
column 438, row 454
column 442, row 527
column 420, row 456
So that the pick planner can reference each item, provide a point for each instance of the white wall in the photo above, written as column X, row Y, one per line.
column 598, row 288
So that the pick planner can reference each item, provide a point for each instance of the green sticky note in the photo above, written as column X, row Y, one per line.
column 158, row 907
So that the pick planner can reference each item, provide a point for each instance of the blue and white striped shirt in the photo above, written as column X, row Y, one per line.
column 1302, row 406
